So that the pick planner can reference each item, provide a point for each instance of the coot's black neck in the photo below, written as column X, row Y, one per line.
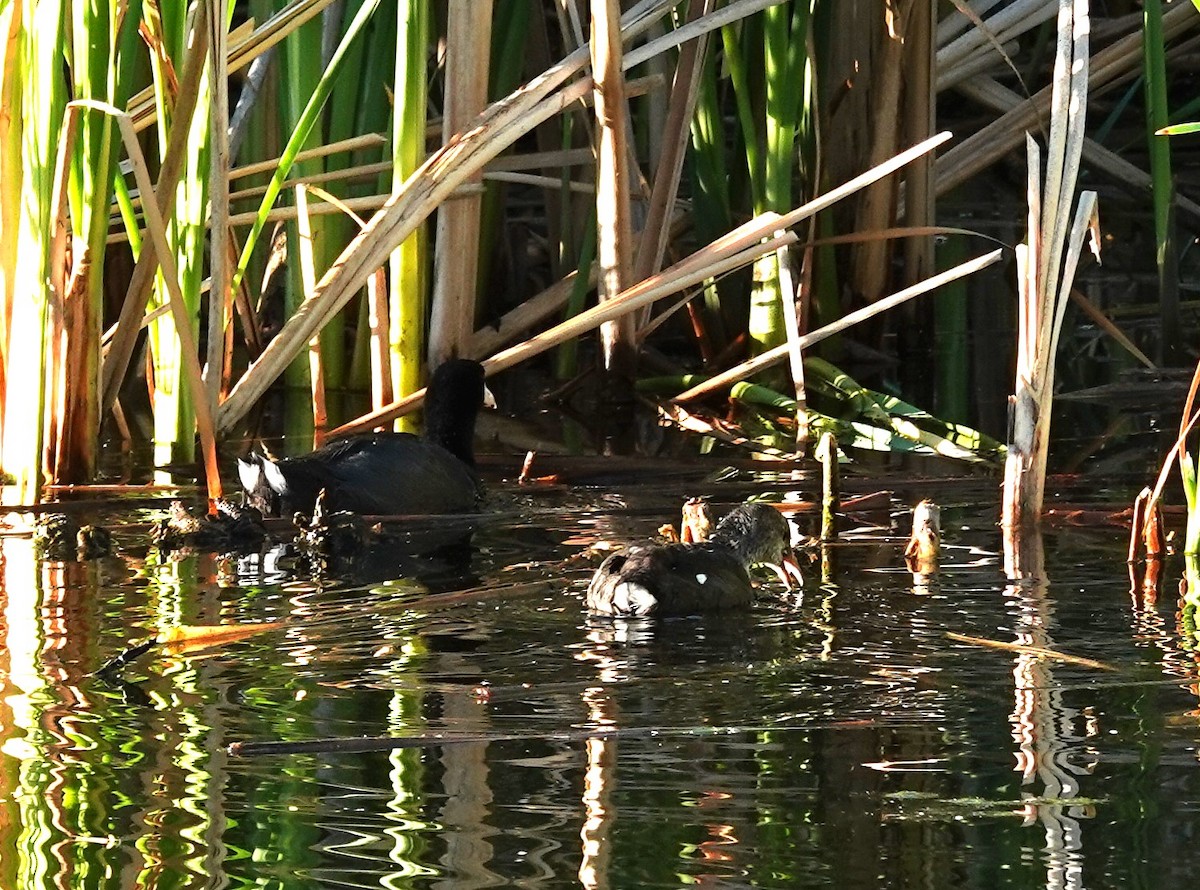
column 454, row 399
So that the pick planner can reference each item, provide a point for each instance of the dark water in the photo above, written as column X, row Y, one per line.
column 838, row 739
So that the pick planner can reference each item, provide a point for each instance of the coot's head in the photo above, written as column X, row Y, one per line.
column 759, row 535
column 456, row 393
column 262, row 483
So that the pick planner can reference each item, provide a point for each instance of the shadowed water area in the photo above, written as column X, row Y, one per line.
column 831, row 738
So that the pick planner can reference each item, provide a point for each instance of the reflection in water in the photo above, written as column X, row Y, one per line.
column 600, row 775
column 1041, row 722
column 835, row 742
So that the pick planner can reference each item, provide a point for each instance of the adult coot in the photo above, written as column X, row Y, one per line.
column 386, row 473
column 687, row 579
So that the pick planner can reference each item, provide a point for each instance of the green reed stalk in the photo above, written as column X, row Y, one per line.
column 104, row 48
column 768, row 67
column 713, row 213
column 566, row 361
column 409, row 284
column 300, row 73
column 1187, row 472
column 173, row 408
column 35, row 94
column 1157, row 117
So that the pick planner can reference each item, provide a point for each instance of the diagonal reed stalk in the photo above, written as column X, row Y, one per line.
column 744, row 244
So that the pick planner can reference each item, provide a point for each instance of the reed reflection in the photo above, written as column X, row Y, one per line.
column 1041, row 722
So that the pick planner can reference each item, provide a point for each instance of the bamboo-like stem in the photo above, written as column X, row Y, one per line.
column 407, row 265
column 308, row 280
column 456, row 255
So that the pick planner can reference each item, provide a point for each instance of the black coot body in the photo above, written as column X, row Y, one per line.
column 386, row 473
column 689, row 579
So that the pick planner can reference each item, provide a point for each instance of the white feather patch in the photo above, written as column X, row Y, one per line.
column 632, row 599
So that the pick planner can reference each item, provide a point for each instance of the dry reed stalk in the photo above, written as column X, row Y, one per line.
column 142, row 281
column 546, row 182
column 656, row 232
column 377, row 321
column 1106, row 324
column 355, row 143
column 920, row 106
column 644, row 293
column 251, row 329
column 64, row 318
column 981, row 40
column 539, row 160
column 990, row 92
column 344, row 174
column 962, row 18
column 614, row 226
column 285, row 214
column 456, row 256
column 982, row 149
column 157, row 232
column 218, row 197
column 377, row 315
column 789, row 293
column 780, row 353
column 871, row 262
column 517, row 321
column 1045, row 275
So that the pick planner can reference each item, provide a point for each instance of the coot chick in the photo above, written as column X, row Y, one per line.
column 687, row 579
column 386, row 473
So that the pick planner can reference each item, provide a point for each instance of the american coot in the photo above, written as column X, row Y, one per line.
column 687, row 579
column 386, row 473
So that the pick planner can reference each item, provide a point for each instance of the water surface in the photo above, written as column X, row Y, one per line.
column 836, row 738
